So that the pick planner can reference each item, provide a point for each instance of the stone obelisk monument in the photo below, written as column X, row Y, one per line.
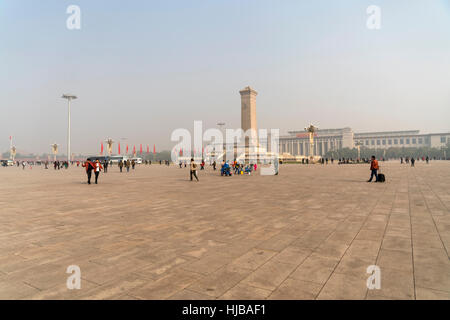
column 248, row 120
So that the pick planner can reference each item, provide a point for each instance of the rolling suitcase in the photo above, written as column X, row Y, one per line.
column 381, row 177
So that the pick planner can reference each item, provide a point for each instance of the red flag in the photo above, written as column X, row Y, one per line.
column 119, row 147
column 134, row 149
column 154, row 148
column 140, row 149
column 148, row 149
column 127, row 148
column 101, row 150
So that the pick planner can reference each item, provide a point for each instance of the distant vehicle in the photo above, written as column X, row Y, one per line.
column 137, row 160
column 7, row 163
column 100, row 158
column 116, row 159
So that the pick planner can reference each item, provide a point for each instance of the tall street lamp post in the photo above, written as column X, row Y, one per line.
column 54, row 150
column 224, row 144
column 358, row 146
column 69, row 98
column 109, row 143
column 311, row 129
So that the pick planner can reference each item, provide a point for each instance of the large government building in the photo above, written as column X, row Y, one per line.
column 297, row 142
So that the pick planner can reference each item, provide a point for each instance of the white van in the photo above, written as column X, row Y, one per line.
column 137, row 160
column 116, row 159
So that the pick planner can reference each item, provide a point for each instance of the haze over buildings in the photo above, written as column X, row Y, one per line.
column 143, row 69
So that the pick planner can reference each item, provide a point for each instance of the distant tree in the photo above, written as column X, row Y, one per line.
column 390, row 153
column 159, row 156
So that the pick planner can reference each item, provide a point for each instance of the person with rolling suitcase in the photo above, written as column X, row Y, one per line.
column 374, row 169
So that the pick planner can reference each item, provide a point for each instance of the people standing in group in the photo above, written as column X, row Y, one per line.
column 89, row 165
column 193, row 169
column 120, row 165
column 374, row 169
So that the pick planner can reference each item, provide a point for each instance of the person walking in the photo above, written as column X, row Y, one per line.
column 374, row 169
column 128, row 164
column 105, row 166
column 193, row 169
column 89, row 165
column 98, row 168
column 412, row 161
column 214, row 165
column 120, row 165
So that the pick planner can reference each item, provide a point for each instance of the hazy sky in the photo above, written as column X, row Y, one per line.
column 144, row 68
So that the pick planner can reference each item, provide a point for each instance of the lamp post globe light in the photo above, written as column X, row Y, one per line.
column 311, row 129
column 109, row 143
column 358, row 146
column 69, row 98
column 54, row 150
column 13, row 153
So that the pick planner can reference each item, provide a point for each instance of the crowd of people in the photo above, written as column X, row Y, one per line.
column 226, row 168
column 412, row 160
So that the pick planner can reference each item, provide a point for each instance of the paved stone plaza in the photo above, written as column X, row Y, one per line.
column 309, row 233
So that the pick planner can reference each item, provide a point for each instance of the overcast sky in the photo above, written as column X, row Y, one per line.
column 144, row 68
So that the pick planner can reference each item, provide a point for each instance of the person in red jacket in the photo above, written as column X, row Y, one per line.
column 97, row 168
column 374, row 169
column 89, row 165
